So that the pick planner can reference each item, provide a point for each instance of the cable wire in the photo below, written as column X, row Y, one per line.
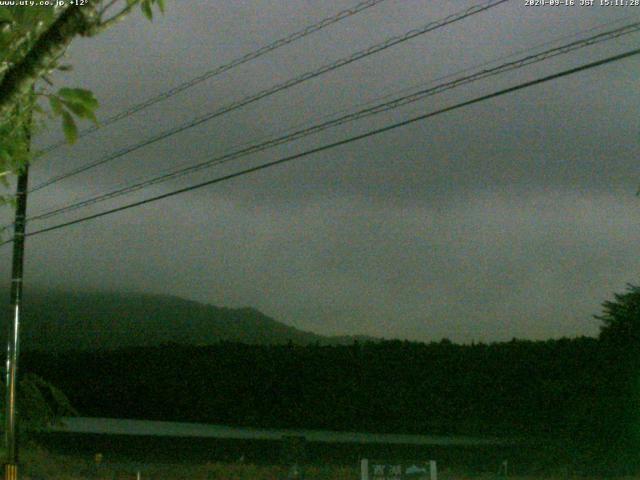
column 223, row 68
column 363, row 113
column 352, row 139
column 390, row 42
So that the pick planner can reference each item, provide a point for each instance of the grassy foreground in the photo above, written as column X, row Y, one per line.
column 38, row 464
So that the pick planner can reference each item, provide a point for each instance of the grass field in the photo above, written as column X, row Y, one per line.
column 39, row 464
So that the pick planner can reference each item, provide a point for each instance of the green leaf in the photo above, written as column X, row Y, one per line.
column 8, row 200
column 44, row 14
column 81, row 111
column 19, row 158
column 69, row 127
column 145, row 5
column 29, row 18
column 6, row 15
column 56, row 105
column 79, row 96
column 5, row 157
column 161, row 5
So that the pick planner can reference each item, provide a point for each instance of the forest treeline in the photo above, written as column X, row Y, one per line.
column 392, row 386
column 561, row 388
column 583, row 390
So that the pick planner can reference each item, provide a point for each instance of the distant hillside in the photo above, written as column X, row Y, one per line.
column 98, row 320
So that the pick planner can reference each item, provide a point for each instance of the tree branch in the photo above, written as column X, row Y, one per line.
column 107, row 7
column 19, row 79
column 118, row 17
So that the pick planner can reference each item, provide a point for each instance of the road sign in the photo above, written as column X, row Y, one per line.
column 387, row 470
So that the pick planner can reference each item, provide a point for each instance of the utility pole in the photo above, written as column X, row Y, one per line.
column 13, row 344
column 13, row 338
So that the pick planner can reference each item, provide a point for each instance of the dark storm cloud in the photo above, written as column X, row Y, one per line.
column 514, row 217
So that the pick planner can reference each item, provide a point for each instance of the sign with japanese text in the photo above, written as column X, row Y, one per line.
column 398, row 471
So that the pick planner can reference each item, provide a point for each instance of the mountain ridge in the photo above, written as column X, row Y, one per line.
column 92, row 320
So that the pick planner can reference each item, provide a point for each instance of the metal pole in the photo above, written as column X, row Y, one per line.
column 11, row 467
column 364, row 469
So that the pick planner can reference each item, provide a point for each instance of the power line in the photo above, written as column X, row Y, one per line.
column 280, row 87
column 400, row 91
column 383, row 97
column 224, row 68
column 363, row 113
column 352, row 139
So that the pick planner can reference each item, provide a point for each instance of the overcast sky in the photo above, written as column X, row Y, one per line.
column 515, row 217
